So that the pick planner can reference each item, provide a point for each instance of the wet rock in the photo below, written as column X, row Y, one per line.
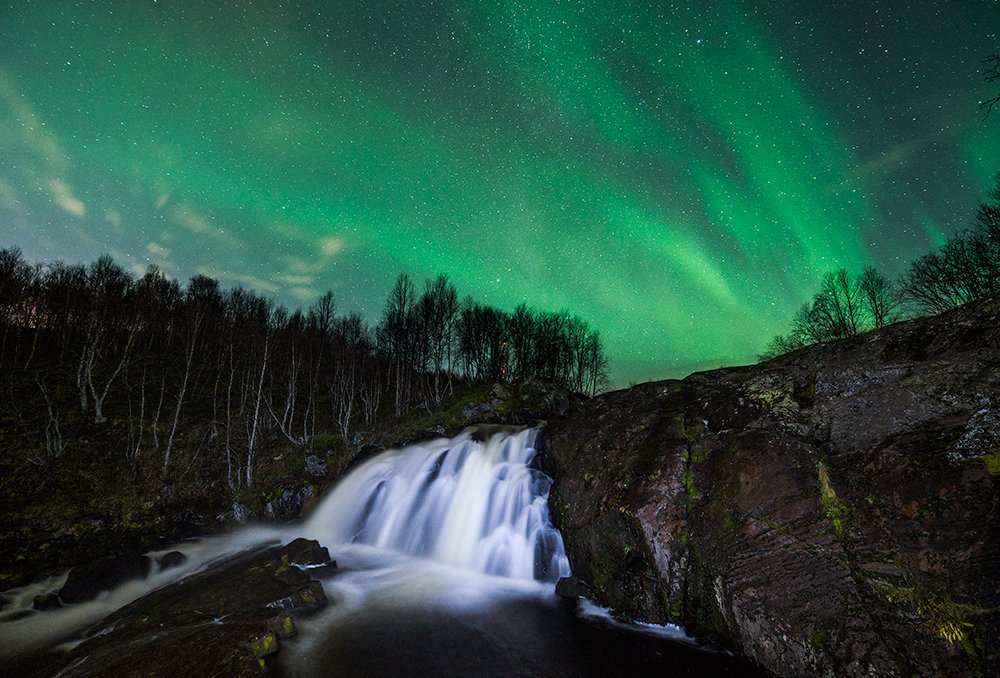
column 306, row 600
column 223, row 621
column 315, row 466
column 475, row 412
column 86, row 581
column 282, row 626
column 307, row 552
column 171, row 560
column 288, row 506
column 264, row 645
column 571, row 587
column 46, row 601
column 364, row 453
column 829, row 512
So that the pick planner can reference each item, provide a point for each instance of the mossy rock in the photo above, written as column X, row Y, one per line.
column 282, row 626
column 264, row 645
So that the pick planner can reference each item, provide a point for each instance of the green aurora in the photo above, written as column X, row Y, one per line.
column 679, row 177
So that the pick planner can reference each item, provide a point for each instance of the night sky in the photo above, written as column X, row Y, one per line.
column 678, row 174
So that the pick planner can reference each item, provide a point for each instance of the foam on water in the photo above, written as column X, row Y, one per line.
column 477, row 505
column 461, row 510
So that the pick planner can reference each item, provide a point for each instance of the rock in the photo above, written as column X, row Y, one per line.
column 306, row 600
column 264, row 645
column 288, row 506
column 315, row 466
column 86, row 581
column 170, row 560
column 46, row 601
column 829, row 512
column 571, row 587
column 364, row 453
column 556, row 403
column 282, row 626
column 221, row 621
column 476, row 412
column 307, row 552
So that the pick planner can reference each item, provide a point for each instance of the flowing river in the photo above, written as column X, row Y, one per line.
column 447, row 567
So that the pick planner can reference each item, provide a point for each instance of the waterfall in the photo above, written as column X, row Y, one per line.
column 478, row 505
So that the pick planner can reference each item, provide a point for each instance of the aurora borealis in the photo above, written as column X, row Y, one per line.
column 678, row 174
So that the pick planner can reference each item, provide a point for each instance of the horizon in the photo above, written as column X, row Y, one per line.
column 666, row 177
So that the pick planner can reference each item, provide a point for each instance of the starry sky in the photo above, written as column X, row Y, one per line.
column 678, row 174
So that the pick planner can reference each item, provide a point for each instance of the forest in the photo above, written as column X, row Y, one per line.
column 227, row 369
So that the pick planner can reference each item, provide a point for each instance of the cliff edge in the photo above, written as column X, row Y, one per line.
column 834, row 511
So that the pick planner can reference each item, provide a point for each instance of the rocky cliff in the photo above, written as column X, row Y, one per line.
column 835, row 511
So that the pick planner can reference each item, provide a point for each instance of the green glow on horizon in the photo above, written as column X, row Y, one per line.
column 668, row 177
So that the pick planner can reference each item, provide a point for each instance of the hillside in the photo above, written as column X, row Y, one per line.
column 835, row 511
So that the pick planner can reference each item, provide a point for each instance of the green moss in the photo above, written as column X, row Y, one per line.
column 323, row 442
column 687, row 482
column 729, row 521
column 940, row 614
column 992, row 462
column 265, row 645
column 771, row 525
column 819, row 638
column 700, row 453
column 282, row 626
column 692, row 430
column 834, row 509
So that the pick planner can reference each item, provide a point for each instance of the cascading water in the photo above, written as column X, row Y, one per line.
column 471, row 504
column 447, row 562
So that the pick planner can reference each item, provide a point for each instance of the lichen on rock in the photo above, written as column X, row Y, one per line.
column 873, row 459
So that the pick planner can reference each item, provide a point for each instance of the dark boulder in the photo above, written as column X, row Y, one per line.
column 571, row 587
column 306, row 552
column 86, row 581
column 171, row 560
column 288, row 505
column 46, row 601
column 315, row 467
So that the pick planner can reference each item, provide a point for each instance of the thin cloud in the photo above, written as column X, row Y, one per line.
column 62, row 193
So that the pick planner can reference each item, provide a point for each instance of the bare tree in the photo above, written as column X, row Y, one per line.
column 16, row 280
column 202, row 302
column 395, row 331
column 54, row 446
column 992, row 73
column 879, row 296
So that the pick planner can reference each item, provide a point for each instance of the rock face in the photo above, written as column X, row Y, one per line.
column 226, row 621
column 835, row 511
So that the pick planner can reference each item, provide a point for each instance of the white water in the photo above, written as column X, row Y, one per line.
column 474, row 505
column 476, row 510
column 23, row 629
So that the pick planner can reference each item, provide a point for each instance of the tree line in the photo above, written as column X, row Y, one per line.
column 965, row 268
column 100, row 343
